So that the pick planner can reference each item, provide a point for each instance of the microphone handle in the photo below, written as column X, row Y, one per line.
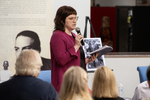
column 81, row 40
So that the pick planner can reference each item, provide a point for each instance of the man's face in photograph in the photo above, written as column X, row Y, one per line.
column 23, row 42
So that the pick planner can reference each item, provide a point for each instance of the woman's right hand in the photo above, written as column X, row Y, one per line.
column 78, row 39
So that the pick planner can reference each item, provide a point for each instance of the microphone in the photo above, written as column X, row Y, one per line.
column 78, row 31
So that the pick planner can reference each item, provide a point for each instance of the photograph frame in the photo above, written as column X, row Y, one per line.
column 91, row 44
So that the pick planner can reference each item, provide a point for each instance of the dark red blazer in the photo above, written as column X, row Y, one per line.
column 63, row 56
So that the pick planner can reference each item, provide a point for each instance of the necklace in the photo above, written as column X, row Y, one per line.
column 69, row 34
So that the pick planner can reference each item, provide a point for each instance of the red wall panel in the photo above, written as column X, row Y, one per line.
column 96, row 18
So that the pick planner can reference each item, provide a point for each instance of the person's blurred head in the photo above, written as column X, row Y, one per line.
column 148, row 75
column 27, row 40
column 104, row 83
column 5, row 65
column 65, row 18
column 28, row 63
column 74, row 84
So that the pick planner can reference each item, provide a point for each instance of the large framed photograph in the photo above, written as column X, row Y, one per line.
column 24, row 25
column 92, row 44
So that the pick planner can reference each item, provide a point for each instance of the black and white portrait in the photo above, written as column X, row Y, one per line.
column 28, row 39
column 92, row 44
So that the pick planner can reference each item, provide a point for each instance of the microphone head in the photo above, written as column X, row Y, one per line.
column 77, row 29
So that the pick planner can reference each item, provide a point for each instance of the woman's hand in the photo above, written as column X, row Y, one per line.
column 78, row 39
column 91, row 58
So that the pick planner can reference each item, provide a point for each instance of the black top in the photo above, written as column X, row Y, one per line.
column 118, row 98
column 82, row 57
column 27, row 88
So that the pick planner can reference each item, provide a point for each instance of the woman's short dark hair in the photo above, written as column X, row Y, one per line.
column 61, row 15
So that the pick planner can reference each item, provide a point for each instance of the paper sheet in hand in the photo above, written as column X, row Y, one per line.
column 103, row 50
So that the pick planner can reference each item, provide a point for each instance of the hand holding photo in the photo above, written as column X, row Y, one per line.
column 94, row 59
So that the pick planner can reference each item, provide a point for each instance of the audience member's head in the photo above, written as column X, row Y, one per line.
column 75, row 84
column 27, row 40
column 104, row 84
column 61, row 15
column 28, row 63
column 148, row 75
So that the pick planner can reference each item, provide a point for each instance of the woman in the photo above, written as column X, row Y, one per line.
column 105, row 85
column 74, row 86
column 65, row 46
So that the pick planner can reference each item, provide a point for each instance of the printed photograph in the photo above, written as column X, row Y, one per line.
column 92, row 44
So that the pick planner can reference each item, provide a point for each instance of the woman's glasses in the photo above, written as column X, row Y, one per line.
column 73, row 18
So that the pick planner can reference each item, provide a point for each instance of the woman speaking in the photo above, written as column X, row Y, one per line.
column 65, row 46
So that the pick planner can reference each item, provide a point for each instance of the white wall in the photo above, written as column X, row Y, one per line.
column 82, row 7
column 113, row 3
column 125, row 70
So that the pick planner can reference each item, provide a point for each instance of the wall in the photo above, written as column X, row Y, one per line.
column 113, row 3
column 20, row 15
column 82, row 8
column 125, row 70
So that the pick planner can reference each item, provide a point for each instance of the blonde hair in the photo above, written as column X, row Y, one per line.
column 74, row 85
column 28, row 63
column 104, row 83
